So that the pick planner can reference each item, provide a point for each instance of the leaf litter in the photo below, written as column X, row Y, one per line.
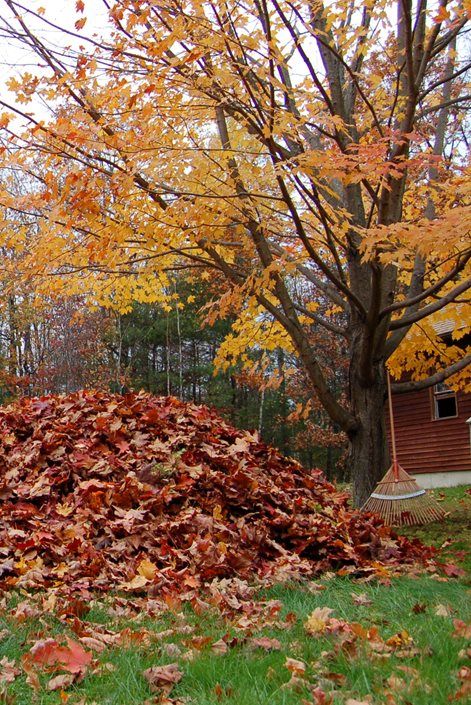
column 162, row 498
column 154, row 495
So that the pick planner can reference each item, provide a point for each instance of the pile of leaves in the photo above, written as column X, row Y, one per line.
column 141, row 492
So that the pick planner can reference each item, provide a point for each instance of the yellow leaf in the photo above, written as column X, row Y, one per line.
column 317, row 621
column 147, row 569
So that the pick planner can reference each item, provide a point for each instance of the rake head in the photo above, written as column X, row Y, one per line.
column 400, row 501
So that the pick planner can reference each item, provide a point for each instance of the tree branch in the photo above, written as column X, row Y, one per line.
column 401, row 387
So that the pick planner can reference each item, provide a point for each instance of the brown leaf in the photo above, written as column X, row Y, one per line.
column 320, row 697
column 464, row 691
column 8, row 670
column 163, row 678
column 264, row 642
column 61, row 682
column 462, row 629
column 219, row 647
column 297, row 668
column 361, row 599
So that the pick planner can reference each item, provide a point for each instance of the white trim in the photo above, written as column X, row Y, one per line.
column 450, row 478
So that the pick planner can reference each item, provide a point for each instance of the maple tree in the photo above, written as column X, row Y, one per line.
column 293, row 153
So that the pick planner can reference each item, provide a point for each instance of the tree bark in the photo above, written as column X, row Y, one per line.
column 368, row 447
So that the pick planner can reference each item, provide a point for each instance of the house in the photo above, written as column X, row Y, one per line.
column 433, row 435
column 433, row 429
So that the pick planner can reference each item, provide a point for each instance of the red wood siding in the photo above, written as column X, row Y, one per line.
column 427, row 445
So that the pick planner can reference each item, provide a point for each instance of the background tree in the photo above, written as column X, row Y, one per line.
column 283, row 148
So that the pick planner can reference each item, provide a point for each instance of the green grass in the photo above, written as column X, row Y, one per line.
column 341, row 666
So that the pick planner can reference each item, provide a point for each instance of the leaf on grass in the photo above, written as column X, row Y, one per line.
column 453, row 571
column 318, row 620
column 222, row 693
column 172, row 650
column 462, row 629
column 8, row 670
column 361, row 599
column 49, row 653
column 163, row 678
column 297, row 668
column 219, row 647
column 443, row 610
column 399, row 640
column 320, row 697
column 464, row 691
column 61, row 682
column 264, row 642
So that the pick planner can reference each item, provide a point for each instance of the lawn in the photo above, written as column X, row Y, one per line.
column 392, row 640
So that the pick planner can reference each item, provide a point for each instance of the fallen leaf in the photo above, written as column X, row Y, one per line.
column 264, row 642
column 163, row 678
column 147, row 569
column 172, row 650
column 320, row 697
column 464, row 691
column 453, row 571
column 361, row 599
column 297, row 668
column 400, row 640
column 219, row 647
column 61, row 682
column 72, row 657
column 462, row 629
column 317, row 621
column 8, row 670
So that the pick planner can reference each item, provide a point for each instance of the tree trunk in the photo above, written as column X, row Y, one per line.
column 368, row 448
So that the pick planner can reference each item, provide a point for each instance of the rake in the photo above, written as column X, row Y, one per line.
column 397, row 498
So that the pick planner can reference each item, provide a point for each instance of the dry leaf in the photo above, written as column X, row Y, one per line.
column 361, row 599
column 48, row 652
column 163, row 678
column 147, row 569
column 462, row 629
column 264, row 642
column 8, row 670
column 219, row 647
column 61, row 682
column 297, row 668
column 317, row 621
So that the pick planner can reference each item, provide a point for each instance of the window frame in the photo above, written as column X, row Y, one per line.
column 442, row 391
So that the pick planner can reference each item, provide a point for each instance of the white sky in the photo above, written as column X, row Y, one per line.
column 16, row 59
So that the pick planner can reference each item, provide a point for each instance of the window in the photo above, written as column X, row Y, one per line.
column 444, row 402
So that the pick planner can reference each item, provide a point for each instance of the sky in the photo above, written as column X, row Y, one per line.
column 16, row 59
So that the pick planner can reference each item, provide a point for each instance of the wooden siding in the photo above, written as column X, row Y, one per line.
column 425, row 444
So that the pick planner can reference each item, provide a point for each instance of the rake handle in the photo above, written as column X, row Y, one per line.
column 391, row 426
